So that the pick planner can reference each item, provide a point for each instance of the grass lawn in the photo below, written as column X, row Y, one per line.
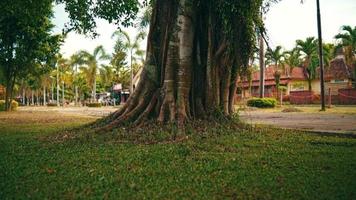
column 215, row 163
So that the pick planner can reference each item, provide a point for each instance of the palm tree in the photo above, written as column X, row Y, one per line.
column 46, row 83
column 75, row 61
column 62, row 67
column 106, row 76
column 347, row 40
column 91, row 65
column 274, row 56
column 292, row 59
column 328, row 53
column 309, row 50
column 131, row 46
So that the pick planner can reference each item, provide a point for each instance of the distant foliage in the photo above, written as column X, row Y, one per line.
column 262, row 102
column 14, row 105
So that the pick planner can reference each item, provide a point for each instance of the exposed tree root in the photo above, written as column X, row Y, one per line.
column 191, row 68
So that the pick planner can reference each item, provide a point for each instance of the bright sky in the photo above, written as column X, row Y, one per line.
column 286, row 22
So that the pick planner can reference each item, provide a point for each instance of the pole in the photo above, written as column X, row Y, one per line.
column 44, row 95
column 76, row 85
column 23, row 96
column 94, row 89
column 262, row 68
column 131, row 85
column 329, row 98
column 52, row 90
column 63, row 93
column 32, row 98
column 322, row 88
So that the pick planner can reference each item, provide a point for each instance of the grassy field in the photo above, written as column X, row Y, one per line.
column 41, row 159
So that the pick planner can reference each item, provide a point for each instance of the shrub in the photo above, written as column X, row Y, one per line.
column 262, row 102
column 94, row 105
column 14, row 105
column 51, row 104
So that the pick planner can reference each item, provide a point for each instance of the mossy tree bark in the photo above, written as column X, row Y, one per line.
column 192, row 64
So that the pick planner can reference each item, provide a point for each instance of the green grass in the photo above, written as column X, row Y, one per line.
column 215, row 163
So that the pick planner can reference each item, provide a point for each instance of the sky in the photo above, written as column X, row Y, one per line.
column 286, row 22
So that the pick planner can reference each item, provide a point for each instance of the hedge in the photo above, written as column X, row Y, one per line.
column 14, row 105
column 262, row 102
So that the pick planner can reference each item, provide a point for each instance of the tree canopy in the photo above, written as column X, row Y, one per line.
column 25, row 39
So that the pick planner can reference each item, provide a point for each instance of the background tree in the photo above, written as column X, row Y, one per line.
column 292, row 58
column 347, row 40
column 275, row 56
column 328, row 53
column 106, row 77
column 309, row 50
column 64, row 77
column 75, row 62
column 25, row 39
column 131, row 46
column 91, row 63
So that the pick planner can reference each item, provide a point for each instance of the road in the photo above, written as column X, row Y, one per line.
column 321, row 122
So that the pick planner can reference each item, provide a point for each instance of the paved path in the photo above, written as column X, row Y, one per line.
column 321, row 122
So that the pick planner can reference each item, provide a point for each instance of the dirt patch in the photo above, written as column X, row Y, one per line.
column 31, row 117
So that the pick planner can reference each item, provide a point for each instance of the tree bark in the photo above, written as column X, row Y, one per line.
column 191, row 67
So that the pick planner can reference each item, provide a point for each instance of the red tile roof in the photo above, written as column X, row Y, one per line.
column 338, row 70
column 296, row 74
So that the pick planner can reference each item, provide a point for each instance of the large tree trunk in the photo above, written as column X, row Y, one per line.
column 191, row 67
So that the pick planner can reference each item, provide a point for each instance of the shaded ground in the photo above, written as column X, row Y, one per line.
column 337, row 119
column 214, row 163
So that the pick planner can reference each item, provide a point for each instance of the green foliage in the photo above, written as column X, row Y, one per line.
column 310, row 56
column 241, row 43
column 274, row 56
column 292, row 58
column 347, row 41
column 94, row 105
column 90, row 65
column 14, row 105
column 26, row 44
column 262, row 102
column 83, row 13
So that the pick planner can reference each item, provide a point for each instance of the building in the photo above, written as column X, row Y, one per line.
column 337, row 76
column 294, row 80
